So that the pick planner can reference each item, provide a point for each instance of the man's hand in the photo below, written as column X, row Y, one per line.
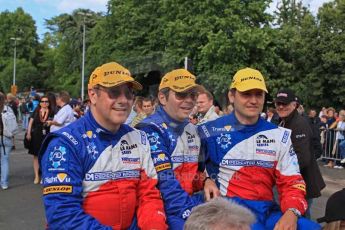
column 287, row 222
column 211, row 190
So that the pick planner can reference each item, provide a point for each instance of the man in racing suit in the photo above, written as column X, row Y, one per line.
column 175, row 146
column 98, row 172
column 247, row 156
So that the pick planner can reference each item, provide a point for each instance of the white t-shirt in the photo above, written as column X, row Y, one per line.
column 341, row 126
column 64, row 116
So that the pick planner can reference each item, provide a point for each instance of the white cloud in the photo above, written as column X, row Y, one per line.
column 67, row 6
column 313, row 5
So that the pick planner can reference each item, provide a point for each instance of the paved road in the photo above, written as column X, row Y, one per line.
column 21, row 205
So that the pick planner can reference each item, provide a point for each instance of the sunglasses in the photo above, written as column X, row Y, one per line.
column 44, row 101
column 280, row 104
column 115, row 92
column 183, row 95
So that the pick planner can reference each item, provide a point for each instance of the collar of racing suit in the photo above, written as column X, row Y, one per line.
column 177, row 126
column 237, row 125
column 99, row 129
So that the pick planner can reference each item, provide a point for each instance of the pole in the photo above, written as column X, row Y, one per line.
column 14, row 61
column 14, row 87
column 83, row 64
column 83, row 55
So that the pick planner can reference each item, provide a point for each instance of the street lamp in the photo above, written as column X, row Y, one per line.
column 83, row 57
column 14, row 62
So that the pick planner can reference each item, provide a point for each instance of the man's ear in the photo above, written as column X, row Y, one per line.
column 231, row 96
column 92, row 96
column 162, row 98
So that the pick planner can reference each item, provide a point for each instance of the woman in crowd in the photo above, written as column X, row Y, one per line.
column 331, row 124
column 37, row 130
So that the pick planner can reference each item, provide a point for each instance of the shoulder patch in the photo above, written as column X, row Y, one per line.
column 57, row 159
column 153, row 139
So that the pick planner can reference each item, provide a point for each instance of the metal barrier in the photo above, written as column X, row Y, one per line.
column 330, row 144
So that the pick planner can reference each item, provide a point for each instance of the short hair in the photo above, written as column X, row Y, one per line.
column 146, row 99
column 64, row 96
column 165, row 92
column 11, row 97
column 203, row 90
column 219, row 213
column 271, row 109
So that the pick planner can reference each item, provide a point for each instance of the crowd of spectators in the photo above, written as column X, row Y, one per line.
column 312, row 135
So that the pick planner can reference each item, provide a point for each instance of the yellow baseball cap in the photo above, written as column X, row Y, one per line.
column 112, row 74
column 178, row 80
column 247, row 79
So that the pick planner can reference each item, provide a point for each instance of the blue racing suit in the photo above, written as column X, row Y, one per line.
column 175, row 148
column 95, row 179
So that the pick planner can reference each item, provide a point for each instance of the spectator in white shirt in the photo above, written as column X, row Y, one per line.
column 65, row 115
column 205, row 107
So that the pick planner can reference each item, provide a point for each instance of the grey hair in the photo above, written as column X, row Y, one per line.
column 220, row 213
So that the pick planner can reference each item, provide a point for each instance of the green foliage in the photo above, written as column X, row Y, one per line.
column 292, row 48
column 27, row 75
column 20, row 25
column 62, row 52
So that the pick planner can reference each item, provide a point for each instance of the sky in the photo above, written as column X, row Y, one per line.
column 46, row 9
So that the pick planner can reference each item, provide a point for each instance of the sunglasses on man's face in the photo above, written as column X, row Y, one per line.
column 183, row 95
column 44, row 101
column 281, row 104
column 116, row 92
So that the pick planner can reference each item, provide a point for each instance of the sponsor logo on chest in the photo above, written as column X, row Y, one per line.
column 127, row 148
column 264, row 141
column 190, row 137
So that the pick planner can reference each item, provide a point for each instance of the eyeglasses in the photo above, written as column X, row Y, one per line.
column 44, row 101
column 183, row 95
column 280, row 104
column 115, row 92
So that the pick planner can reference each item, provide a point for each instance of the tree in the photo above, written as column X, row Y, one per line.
column 17, row 24
column 27, row 73
column 63, row 51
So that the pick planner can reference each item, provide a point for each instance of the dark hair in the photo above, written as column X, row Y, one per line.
column 52, row 101
column 146, row 99
column 2, row 101
column 165, row 92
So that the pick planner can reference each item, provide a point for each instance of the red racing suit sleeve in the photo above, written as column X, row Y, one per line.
column 290, row 184
column 150, row 212
column 62, row 176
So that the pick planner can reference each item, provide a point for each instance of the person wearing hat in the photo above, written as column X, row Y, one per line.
column 286, row 104
column 247, row 156
column 98, row 172
column 335, row 212
column 175, row 146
